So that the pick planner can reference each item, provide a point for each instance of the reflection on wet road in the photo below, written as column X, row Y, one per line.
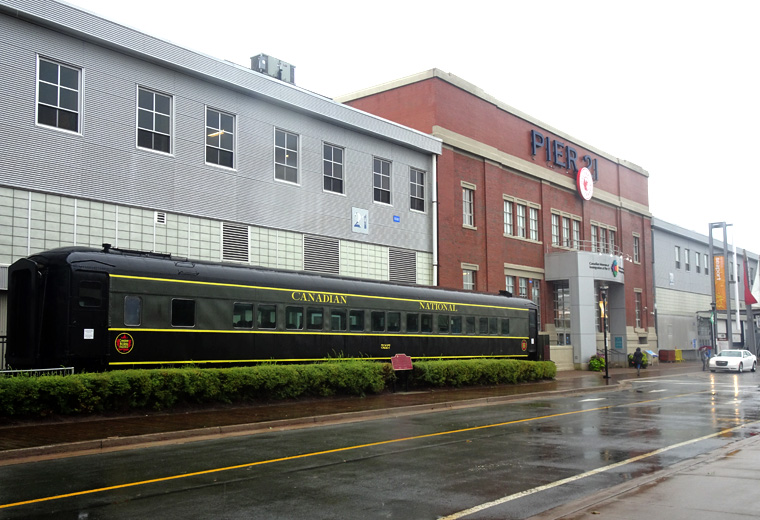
column 511, row 460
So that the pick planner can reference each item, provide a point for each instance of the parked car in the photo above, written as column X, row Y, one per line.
column 734, row 360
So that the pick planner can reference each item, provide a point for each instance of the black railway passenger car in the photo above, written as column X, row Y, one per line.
column 95, row 309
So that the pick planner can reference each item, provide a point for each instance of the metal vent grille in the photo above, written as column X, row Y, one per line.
column 402, row 266
column 234, row 242
column 160, row 217
column 321, row 255
column 4, row 277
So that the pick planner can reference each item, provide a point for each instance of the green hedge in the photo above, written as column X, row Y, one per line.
column 162, row 389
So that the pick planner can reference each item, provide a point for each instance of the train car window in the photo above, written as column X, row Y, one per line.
column 89, row 294
column 266, row 317
column 338, row 320
column 378, row 321
column 469, row 325
column 493, row 325
column 294, row 318
column 314, row 318
column 394, row 321
column 412, row 322
column 482, row 325
column 183, row 313
column 242, row 315
column 505, row 326
column 132, row 311
column 456, row 324
column 426, row 323
column 356, row 320
column 443, row 324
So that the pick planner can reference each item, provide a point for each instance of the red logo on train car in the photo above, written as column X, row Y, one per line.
column 524, row 345
column 124, row 343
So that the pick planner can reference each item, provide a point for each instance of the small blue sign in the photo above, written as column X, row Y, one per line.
column 396, row 218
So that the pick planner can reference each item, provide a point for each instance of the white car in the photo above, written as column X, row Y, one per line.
column 735, row 360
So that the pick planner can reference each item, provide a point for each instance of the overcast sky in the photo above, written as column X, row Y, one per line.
column 671, row 86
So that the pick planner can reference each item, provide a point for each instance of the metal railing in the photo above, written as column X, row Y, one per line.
column 36, row 372
column 3, row 342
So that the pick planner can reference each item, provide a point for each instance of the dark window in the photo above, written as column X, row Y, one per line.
column 456, row 324
column 58, row 96
column 505, row 326
column 470, row 325
column 394, row 321
column 154, row 121
column 381, row 172
column 443, row 324
column 338, row 320
column 417, row 190
column 294, row 318
column 493, row 325
column 332, row 168
column 314, row 318
column 89, row 294
column 132, row 311
column 183, row 313
column 220, row 138
column 412, row 322
column 266, row 317
column 356, row 320
column 378, row 321
column 242, row 315
column 483, row 326
column 426, row 323
column 285, row 156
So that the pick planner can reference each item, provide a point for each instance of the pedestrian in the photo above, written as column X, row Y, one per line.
column 705, row 358
column 638, row 357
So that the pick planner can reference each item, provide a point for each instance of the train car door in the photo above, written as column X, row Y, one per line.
column 24, row 315
column 88, row 319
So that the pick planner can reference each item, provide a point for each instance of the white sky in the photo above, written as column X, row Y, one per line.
column 669, row 85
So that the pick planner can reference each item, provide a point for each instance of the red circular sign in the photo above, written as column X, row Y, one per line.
column 585, row 183
column 524, row 345
column 124, row 343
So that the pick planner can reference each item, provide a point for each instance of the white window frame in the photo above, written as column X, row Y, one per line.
column 385, row 180
column 469, row 276
column 636, row 248
column 155, row 115
column 285, row 154
column 59, row 88
column 332, row 165
column 468, row 205
column 217, row 133
column 417, row 189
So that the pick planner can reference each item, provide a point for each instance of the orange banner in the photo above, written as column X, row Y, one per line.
column 719, row 274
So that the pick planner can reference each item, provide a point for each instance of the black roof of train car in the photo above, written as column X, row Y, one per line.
column 146, row 264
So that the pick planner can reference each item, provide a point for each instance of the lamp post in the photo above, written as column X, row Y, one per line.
column 603, row 308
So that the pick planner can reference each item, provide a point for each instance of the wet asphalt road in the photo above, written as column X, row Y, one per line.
column 506, row 461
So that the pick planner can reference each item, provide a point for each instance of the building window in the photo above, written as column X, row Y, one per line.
column 508, row 218
column 555, row 229
column 576, row 234
column 678, row 257
column 468, row 279
column 686, row 264
column 381, row 173
column 697, row 267
column 285, row 156
column 522, row 287
column 636, row 249
column 603, row 240
column 416, row 189
column 565, row 232
column 639, row 310
column 332, row 168
column 58, row 95
column 594, row 239
column 510, row 284
column 468, row 211
column 613, row 240
column 535, row 291
column 707, row 270
column 520, row 220
column 154, row 121
column 220, row 138
column 533, row 223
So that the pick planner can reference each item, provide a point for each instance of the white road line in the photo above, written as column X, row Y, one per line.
column 504, row 500
column 593, row 399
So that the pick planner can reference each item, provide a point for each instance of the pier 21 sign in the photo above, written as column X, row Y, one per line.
column 564, row 156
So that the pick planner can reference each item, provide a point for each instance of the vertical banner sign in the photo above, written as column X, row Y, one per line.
column 719, row 273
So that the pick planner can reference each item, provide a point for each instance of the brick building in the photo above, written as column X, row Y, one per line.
column 512, row 214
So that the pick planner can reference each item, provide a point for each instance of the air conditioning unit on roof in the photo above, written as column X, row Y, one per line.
column 274, row 67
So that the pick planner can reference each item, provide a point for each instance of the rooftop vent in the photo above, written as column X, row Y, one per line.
column 274, row 67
